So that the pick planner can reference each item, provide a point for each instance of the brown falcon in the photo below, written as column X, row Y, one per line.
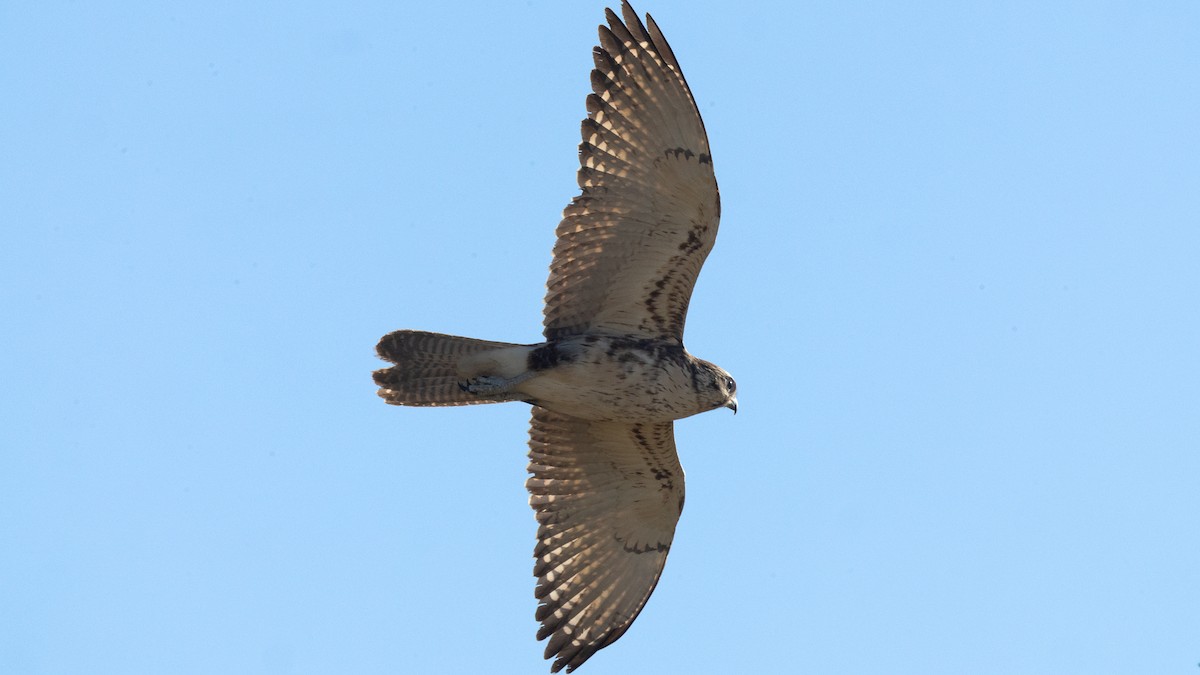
column 612, row 374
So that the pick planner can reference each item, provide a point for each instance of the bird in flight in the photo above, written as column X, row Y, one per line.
column 612, row 374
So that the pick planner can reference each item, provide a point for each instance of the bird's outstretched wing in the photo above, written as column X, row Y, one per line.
column 607, row 497
column 630, row 247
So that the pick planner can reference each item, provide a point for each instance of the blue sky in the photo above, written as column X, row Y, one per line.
column 956, row 280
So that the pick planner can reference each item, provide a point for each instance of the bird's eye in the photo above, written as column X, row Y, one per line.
column 730, row 384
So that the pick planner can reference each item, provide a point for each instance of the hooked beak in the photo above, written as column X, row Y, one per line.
column 732, row 404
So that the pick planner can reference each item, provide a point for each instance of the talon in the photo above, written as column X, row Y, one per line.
column 485, row 385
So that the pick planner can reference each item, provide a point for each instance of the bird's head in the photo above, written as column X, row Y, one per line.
column 718, row 390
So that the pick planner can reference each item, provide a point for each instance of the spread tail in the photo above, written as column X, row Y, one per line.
column 433, row 369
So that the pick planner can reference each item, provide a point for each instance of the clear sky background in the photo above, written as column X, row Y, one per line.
column 957, row 280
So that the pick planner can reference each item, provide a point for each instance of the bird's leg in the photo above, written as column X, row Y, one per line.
column 493, row 385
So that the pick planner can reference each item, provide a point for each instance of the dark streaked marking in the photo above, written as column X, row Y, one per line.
column 658, row 547
column 703, row 158
column 677, row 152
column 543, row 358
column 640, row 436
column 695, row 372
column 694, row 242
column 660, row 350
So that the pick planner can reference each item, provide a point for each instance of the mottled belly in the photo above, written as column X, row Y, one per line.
column 613, row 389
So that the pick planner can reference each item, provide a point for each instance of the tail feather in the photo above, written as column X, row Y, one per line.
column 431, row 368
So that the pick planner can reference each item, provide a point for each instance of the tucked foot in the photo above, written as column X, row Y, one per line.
column 486, row 385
